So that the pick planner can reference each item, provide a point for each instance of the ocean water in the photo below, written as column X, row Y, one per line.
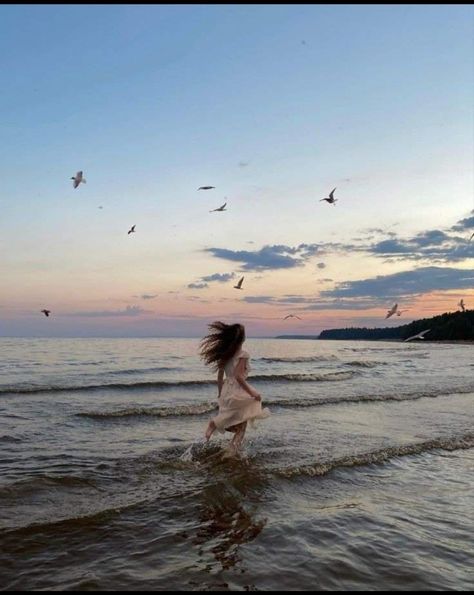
column 362, row 478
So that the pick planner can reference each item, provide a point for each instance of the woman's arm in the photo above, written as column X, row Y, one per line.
column 220, row 381
column 239, row 373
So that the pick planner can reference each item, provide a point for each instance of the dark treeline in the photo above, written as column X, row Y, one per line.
column 363, row 333
column 455, row 326
column 297, row 337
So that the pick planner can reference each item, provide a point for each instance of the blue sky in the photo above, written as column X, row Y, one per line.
column 272, row 105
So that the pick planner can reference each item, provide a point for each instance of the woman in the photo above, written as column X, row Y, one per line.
column 238, row 401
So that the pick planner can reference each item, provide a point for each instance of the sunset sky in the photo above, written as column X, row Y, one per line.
column 274, row 106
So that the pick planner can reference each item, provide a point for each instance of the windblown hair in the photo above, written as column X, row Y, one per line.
column 218, row 347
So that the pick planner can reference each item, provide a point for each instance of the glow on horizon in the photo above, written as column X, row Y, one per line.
column 151, row 108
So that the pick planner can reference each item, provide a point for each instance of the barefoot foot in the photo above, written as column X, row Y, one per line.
column 210, row 430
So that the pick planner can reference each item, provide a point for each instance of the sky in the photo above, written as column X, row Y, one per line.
column 274, row 106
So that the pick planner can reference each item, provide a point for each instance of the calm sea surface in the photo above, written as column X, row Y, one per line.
column 362, row 478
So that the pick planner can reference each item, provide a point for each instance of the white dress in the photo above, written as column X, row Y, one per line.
column 235, row 404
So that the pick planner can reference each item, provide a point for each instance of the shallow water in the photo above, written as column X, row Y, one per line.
column 362, row 477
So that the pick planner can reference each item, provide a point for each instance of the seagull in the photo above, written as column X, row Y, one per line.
column 100, row 207
column 291, row 316
column 46, row 312
column 471, row 237
column 418, row 336
column 78, row 179
column 222, row 208
column 239, row 284
column 462, row 305
column 400, row 312
column 206, row 187
column 392, row 311
column 131, row 230
column 331, row 200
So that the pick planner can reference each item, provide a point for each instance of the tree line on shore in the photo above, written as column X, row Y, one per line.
column 453, row 326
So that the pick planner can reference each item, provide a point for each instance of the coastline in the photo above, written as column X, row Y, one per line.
column 315, row 338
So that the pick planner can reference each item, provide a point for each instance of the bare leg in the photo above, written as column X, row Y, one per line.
column 210, row 430
column 239, row 436
column 242, row 434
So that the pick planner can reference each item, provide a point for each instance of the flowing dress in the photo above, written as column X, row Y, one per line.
column 235, row 404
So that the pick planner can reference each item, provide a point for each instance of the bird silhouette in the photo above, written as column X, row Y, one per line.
column 239, row 284
column 400, row 312
column 471, row 236
column 392, row 311
column 418, row 336
column 206, row 187
column 291, row 316
column 46, row 312
column 78, row 179
column 222, row 208
column 462, row 305
column 330, row 199
column 131, row 230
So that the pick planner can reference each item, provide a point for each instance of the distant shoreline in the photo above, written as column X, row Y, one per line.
column 316, row 338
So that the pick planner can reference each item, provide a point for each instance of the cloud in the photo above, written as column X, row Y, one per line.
column 220, row 277
column 390, row 247
column 311, row 303
column 268, row 257
column 430, row 238
column 146, row 296
column 321, row 265
column 196, row 298
column 348, row 304
column 202, row 283
column 260, row 299
column 405, row 283
column 433, row 245
column 197, row 285
column 463, row 224
column 129, row 311
column 426, row 246
column 381, row 230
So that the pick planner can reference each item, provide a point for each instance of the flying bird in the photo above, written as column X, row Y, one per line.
column 239, row 284
column 206, row 187
column 222, row 208
column 131, row 230
column 462, row 305
column 100, row 207
column 392, row 311
column 400, row 312
column 291, row 316
column 46, row 312
column 78, row 179
column 471, row 236
column 418, row 336
column 330, row 199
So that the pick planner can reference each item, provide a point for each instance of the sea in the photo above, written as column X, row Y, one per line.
column 361, row 479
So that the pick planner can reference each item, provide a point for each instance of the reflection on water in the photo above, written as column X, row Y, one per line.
column 229, row 507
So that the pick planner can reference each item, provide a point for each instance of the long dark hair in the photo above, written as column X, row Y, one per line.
column 218, row 347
